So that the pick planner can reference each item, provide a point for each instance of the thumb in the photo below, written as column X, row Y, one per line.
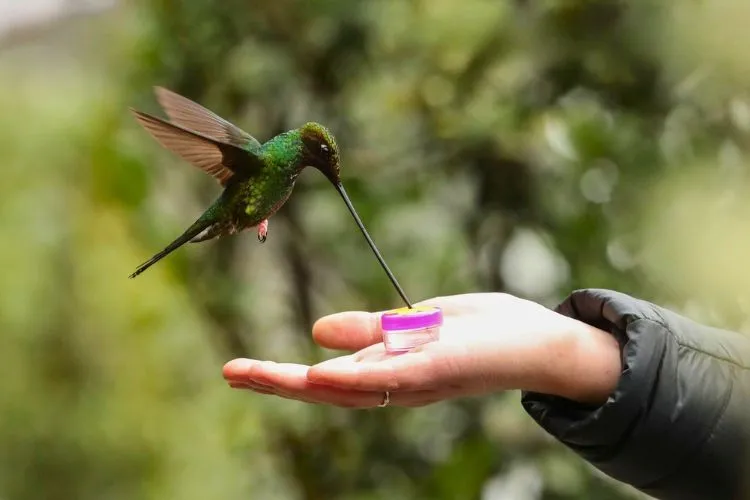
column 351, row 331
column 355, row 330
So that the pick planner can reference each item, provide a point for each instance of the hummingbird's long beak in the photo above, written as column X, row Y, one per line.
column 342, row 192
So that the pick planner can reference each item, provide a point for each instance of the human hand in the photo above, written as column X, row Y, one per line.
column 489, row 342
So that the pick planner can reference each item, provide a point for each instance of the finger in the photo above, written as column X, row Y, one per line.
column 349, row 331
column 238, row 374
column 332, row 396
column 338, row 397
column 238, row 369
column 290, row 380
column 426, row 367
column 263, row 389
column 253, row 387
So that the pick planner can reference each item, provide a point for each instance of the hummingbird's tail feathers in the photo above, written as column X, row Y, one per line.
column 209, row 233
column 191, row 115
column 216, row 158
column 198, row 227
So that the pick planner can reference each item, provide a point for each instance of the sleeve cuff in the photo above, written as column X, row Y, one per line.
column 651, row 417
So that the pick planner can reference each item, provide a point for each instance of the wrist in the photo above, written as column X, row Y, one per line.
column 588, row 363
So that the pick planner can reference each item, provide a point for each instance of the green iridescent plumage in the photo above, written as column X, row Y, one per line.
column 257, row 178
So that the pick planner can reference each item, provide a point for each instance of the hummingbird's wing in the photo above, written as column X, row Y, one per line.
column 221, row 160
column 191, row 115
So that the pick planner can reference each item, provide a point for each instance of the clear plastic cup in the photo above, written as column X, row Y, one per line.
column 406, row 328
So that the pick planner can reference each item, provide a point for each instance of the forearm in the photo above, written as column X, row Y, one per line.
column 675, row 425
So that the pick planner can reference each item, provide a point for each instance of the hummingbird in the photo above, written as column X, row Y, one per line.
column 257, row 179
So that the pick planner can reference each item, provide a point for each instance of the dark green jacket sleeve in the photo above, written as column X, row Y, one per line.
column 678, row 424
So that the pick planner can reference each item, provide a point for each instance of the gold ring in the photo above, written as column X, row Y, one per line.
column 386, row 400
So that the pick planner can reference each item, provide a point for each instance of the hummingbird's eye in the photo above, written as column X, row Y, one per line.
column 324, row 149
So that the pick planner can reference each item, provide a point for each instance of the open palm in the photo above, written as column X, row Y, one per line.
column 489, row 342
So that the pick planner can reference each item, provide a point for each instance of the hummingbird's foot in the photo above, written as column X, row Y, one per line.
column 263, row 231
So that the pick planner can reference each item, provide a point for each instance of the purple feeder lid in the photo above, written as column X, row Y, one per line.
column 411, row 319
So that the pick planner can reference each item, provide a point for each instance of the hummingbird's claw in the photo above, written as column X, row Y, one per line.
column 263, row 231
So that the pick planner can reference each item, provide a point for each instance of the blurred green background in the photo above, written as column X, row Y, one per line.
column 526, row 147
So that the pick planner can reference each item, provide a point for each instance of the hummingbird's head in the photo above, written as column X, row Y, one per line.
column 321, row 151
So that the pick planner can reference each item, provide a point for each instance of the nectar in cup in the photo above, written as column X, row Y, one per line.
column 406, row 328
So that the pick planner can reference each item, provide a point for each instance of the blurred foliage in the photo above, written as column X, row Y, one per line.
column 528, row 147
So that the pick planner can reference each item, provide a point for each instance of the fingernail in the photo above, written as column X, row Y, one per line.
column 237, row 369
column 242, row 364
